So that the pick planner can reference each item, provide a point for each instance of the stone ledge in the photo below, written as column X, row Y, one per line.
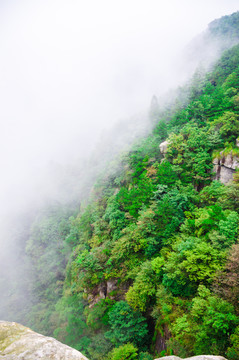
column 18, row 342
column 199, row 357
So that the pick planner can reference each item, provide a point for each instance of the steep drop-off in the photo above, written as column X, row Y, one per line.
column 149, row 265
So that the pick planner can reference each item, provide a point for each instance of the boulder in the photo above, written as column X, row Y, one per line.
column 230, row 161
column 163, row 147
column 169, row 358
column 18, row 342
column 223, row 174
column 199, row 357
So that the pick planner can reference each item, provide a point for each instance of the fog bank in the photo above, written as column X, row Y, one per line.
column 70, row 70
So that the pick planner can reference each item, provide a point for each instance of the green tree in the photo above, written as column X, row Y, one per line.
column 228, row 126
column 125, row 352
column 126, row 325
column 233, row 350
column 194, row 262
column 143, row 289
column 208, row 324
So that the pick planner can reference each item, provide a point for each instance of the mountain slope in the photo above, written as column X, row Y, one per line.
column 150, row 265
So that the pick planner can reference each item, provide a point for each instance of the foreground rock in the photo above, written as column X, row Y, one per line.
column 225, row 165
column 199, row 357
column 18, row 342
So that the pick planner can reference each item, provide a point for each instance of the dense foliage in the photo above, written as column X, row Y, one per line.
column 150, row 265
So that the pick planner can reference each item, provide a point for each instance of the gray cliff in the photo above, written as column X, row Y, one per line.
column 225, row 166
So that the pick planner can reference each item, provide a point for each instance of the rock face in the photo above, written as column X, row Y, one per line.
column 18, row 342
column 225, row 167
column 199, row 357
column 102, row 291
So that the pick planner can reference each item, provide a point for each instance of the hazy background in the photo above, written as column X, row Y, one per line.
column 70, row 69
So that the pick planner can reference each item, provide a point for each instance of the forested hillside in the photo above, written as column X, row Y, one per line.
column 149, row 265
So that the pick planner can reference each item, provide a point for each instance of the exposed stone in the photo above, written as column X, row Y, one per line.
column 230, row 161
column 216, row 161
column 102, row 291
column 163, row 147
column 226, row 174
column 223, row 174
column 18, row 342
column 111, row 285
column 225, row 166
column 169, row 358
column 98, row 293
column 199, row 357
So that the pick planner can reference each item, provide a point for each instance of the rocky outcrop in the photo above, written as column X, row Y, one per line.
column 102, row 291
column 18, row 342
column 226, row 163
column 225, row 166
column 199, row 357
column 163, row 147
column 161, row 338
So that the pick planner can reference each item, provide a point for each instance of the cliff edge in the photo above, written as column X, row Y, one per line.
column 18, row 342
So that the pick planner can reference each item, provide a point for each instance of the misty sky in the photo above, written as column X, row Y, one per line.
column 69, row 69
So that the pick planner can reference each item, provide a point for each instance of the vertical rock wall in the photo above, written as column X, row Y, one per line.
column 225, row 167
